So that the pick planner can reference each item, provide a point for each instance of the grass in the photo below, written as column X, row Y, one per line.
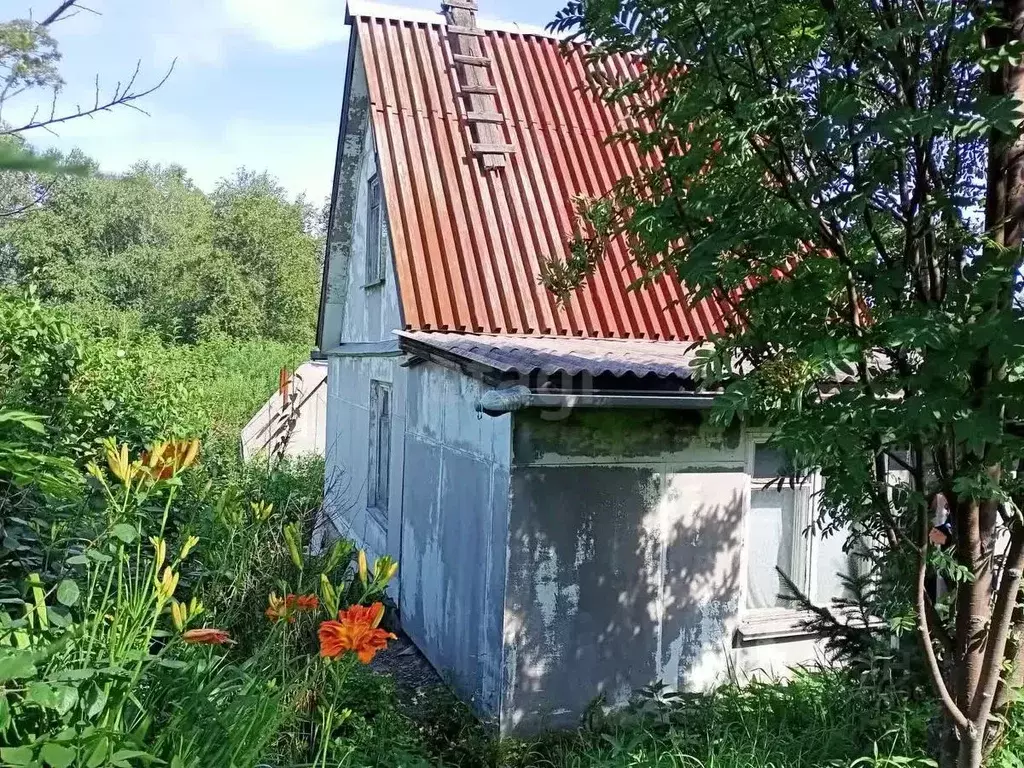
column 814, row 720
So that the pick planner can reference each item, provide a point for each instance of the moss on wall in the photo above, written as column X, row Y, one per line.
column 613, row 432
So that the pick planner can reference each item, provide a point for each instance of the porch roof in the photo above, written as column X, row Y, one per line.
column 513, row 356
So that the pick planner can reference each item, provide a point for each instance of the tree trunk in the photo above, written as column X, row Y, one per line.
column 970, row 752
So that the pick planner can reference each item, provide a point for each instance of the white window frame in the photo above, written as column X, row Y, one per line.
column 376, row 241
column 378, row 478
column 805, row 547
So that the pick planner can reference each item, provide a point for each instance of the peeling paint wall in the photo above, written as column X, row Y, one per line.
column 454, row 531
column 348, row 461
column 354, row 312
column 624, row 562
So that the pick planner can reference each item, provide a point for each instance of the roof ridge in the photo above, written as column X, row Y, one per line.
column 369, row 8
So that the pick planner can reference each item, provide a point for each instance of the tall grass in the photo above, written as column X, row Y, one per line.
column 813, row 720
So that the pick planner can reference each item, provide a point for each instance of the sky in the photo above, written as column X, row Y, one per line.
column 256, row 83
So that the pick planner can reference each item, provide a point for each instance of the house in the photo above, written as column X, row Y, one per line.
column 292, row 422
column 568, row 524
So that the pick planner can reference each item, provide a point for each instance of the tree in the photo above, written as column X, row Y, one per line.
column 29, row 59
column 847, row 178
column 240, row 262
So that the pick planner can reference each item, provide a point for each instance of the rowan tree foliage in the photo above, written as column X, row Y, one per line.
column 847, row 176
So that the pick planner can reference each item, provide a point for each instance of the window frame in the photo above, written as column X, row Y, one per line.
column 805, row 547
column 378, row 474
column 376, row 242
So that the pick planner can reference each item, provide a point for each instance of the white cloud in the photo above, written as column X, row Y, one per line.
column 295, row 25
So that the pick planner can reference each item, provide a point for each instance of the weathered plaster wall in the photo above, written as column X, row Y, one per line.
column 625, row 562
column 352, row 311
column 447, row 511
column 347, row 459
column 454, row 531
column 371, row 312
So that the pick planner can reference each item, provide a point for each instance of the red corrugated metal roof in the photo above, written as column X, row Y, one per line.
column 468, row 243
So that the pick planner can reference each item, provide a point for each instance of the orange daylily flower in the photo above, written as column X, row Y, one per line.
column 307, row 602
column 207, row 636
column 285, row 608
column 357, row 629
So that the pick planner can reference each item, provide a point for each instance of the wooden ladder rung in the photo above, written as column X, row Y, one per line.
column 455, row 30
column 473, row 61
column 485, row 89
column 465, row 5
column 485, row 117
column 493, row 149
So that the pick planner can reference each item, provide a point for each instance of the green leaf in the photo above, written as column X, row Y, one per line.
column 57, row 755
column 58, row 617
column 16, row 755
column 98, row 756
column 5, row 713
column 97, row 703
column 125, row 532
column 61, row 698
column 68, row 593
column 28, row 420
column 16, row 664
column 77, row 560
column 122, row 756
column 75, row 674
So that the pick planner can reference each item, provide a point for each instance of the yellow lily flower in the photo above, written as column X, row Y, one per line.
column 117, row 460
column 155, row 454
column 191, row 451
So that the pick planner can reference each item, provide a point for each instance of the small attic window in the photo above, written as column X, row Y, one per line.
column 376, row 233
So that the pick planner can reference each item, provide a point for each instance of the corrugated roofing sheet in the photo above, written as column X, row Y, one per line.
column 468, row 243
column 555, row 356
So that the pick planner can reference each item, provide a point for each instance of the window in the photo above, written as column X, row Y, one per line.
column 377, row 243
column 778, row 515
column 380, row 447
column 780, row 536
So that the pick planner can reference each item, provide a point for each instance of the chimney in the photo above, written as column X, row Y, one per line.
column 476, row 86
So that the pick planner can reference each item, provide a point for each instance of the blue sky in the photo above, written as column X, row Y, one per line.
column 257, row 82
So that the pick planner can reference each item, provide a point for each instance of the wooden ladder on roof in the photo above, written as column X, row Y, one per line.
column 476, row 86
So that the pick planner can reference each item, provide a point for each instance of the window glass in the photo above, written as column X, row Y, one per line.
column 378, row 476
column 770, row 463
column 832, row 565
column 374, row 260
column 772, row 531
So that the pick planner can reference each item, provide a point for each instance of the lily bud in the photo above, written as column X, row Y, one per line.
column 160, row 551
column 329, row 595
column 179, row 615
column 167, row 584
column 188, row 546
column 362, row 566
column 291, row 537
